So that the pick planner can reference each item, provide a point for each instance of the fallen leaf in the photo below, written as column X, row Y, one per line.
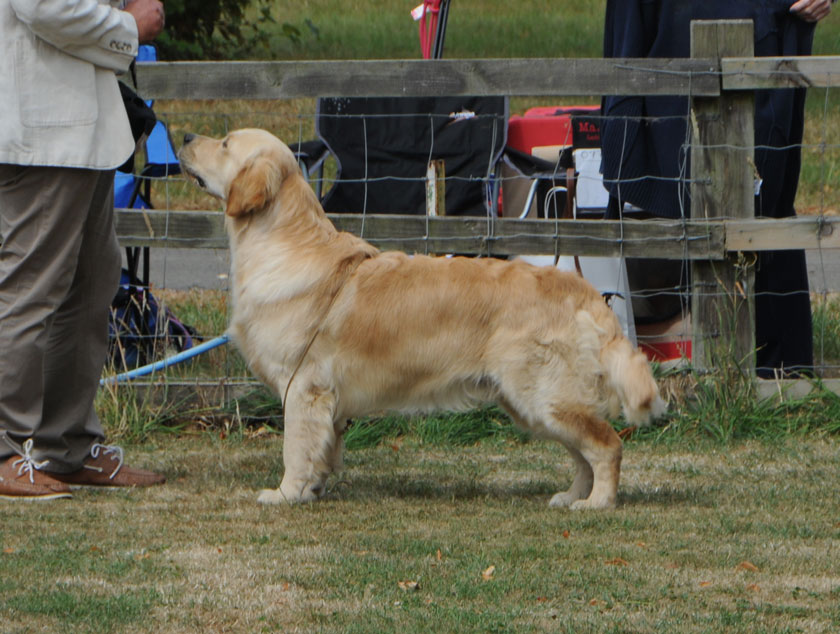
column 641, row 544
column 439, row 555
column 596, row 602
column 753, row 587
column 408, row 586
column 746, row 565
column 625, row 433
column 488, row 574
column 618, row 561
column 8, row 550
column 93, row 549
column 705, row 584
column 542, row 599
column 566, row 534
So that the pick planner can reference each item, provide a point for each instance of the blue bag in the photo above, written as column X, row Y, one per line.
column 140, row 329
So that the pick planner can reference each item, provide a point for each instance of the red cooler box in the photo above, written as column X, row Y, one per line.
column 544, row 130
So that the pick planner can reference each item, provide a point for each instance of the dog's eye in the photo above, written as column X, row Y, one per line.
column 224, row 144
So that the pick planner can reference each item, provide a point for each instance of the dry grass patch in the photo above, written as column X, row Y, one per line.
column 707, row 537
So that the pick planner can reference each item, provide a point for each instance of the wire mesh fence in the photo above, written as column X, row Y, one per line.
column 541, row 201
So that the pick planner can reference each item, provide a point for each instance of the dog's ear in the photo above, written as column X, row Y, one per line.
column 254, row 187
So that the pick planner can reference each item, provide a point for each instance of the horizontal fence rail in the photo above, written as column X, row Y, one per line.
column 420, row 78
column 513, row 77
column 669, row 239
column 780, row 72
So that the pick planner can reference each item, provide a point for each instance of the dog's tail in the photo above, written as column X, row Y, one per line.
column 628, row 373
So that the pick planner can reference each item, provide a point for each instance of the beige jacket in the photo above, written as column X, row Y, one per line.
column 60, row 103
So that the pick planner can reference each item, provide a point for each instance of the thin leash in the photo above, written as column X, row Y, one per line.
column 317, row 332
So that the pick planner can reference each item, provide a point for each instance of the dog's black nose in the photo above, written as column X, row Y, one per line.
column 188, row 137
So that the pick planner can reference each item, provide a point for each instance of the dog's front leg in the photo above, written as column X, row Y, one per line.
column 601, row 448
column 309, row 441
column 582, row 484
column 596, row 449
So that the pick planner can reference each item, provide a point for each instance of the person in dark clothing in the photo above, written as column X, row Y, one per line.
column 645, row 147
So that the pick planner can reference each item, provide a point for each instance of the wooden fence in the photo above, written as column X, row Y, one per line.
column 719, row 78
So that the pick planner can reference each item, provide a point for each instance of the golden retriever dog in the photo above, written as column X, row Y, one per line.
column 340, row 330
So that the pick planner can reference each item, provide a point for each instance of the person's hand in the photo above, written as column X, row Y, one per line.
column 149, row 16
column 811, row 10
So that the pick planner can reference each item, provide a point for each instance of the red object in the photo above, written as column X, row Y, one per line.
column 666, row 350
column 428, row 27
column 548, row 125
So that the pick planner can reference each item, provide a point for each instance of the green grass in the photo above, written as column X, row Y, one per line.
column 382, row 29
column 707, row 537
column 727, row 521
column 826, row 322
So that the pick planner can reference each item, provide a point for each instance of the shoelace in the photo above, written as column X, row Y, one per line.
column 105, row 450
column 27, row 463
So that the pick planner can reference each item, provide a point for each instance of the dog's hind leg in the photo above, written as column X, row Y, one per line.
column 309, row 448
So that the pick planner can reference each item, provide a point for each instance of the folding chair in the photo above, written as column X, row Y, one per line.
column 383, row 147
column 134, row 190
column 569, row 186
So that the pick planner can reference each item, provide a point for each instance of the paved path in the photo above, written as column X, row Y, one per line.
column 824, row 270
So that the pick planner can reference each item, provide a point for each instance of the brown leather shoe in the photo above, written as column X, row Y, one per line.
column 20, row 479
column 105, row 468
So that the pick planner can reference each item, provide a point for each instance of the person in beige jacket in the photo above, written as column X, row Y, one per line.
column 63, row 131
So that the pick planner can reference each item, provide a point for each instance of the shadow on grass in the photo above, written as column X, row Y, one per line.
column 668, row 495
column 400, row 486
column 396, row 486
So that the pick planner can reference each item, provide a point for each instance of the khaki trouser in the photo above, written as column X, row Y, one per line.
column 59, row 270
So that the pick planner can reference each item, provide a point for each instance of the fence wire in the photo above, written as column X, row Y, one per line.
column 195, row 282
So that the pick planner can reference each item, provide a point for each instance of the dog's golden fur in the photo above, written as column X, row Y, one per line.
column 342, row 330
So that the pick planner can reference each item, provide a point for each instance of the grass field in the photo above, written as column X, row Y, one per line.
column 418, row 537
column 727, row 518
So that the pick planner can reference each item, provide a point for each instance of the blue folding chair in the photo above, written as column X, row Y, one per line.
column 134, row 191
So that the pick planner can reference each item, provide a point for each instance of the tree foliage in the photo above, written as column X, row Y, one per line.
column 216, row 29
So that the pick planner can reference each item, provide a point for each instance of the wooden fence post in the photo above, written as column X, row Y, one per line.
column 722, row 184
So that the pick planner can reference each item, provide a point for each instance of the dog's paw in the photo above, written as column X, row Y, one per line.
column 272, row 496
column 562, row 500
column 590, row 504
column 295, row 496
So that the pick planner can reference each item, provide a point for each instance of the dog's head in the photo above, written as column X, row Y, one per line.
column 244, row 170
